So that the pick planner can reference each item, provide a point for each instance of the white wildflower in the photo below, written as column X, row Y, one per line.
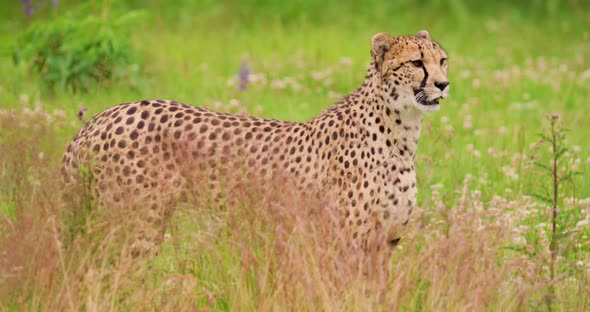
column 576, row 149
column 346, row 61
column 278, row 84
column 476, row 83
column 467, row 125
column 24, row 98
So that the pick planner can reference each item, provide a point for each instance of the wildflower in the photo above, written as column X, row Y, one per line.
column 346, row 61
column 476, row 83
column 244, row 75
column 334, row 95
column 217, row 105
column 492, row 152
column 576, row 164
column 258, row 79
column 519, row 240
column 278, row 84
column 24, row 98
column 437, row 186
column 28, row 8
column 576, row 149
column 234, row 103
column 449, row 130
column 583, row 223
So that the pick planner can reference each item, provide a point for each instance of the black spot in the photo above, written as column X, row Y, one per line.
column 132, row 110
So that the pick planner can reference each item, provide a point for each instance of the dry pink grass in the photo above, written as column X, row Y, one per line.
column 267, row 248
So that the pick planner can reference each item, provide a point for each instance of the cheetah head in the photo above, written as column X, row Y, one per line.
column 411, row 69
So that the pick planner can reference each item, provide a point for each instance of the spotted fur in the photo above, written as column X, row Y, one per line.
column 362, row 149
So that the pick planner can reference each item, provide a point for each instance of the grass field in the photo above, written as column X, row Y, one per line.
column 481, row 240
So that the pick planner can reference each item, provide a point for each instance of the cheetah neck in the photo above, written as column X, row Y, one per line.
column 393, row 118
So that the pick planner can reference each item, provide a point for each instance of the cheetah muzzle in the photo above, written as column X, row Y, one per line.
column 360, row 150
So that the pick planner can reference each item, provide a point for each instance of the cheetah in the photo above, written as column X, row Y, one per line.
column 361, row 149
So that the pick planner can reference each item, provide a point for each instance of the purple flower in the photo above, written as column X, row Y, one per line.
column 244, row 75
column 30, row 6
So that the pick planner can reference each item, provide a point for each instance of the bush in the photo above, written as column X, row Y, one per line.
column 74, row 54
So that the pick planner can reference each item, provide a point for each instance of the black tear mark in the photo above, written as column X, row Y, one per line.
column 423, row 83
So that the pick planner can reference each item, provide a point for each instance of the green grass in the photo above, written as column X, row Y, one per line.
column 510, row 67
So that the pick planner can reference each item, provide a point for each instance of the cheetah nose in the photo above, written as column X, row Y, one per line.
column 441, row 85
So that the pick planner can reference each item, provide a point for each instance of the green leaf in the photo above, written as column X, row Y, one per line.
column 542, row 198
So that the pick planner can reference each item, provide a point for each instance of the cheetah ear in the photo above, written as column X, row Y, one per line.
column 423, row 34
column 380, row 45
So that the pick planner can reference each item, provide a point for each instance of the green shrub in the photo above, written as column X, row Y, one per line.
column 76, row 53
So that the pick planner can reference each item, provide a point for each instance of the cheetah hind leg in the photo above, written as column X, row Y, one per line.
column 148, row 232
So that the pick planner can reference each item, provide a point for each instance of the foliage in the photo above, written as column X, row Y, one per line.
column 558, row 170
column 76, row 53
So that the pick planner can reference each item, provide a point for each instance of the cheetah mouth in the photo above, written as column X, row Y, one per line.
column 422, row 98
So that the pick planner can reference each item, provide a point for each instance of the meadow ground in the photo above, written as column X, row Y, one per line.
column 481, row 240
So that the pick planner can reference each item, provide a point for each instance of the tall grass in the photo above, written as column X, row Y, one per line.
column 478, row 242
column 267, row 248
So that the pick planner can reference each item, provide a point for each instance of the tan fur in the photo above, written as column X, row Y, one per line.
column 361, row 149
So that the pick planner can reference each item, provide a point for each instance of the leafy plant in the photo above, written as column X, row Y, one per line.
column 75, row 53
column 556, row 166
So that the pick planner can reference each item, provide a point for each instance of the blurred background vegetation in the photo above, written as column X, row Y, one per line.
column 134, row 33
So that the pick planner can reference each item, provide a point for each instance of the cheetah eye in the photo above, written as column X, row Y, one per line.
column 443, row 61
column 417, row 63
